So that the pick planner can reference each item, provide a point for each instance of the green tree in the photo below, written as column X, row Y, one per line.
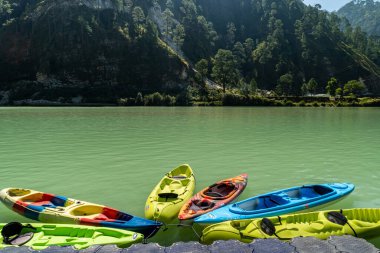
column 202, row 67
column 5, row 7
column 189, row 10
column 249, row 45
column 239, row 53
column 138, row 17
column 332, row 85
column 169, row 4
column 354, row 87
column 128, row 5
column 168, row 18
column 179, row 35
column 339, row 92
column 224, row 69
column 231, row 30
column 247, row 88
column 312, row 86
column 285, row 84
column 253, row 85
column 309, row 87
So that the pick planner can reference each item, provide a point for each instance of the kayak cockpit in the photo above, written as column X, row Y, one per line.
column 220, row 191
column 170, row 189
column 282, row 199
column 309, row 192
column 18, row 192
column 99, row 213
column 181, row 172
column 167, row 196
column 262, row 203
column 39, row 201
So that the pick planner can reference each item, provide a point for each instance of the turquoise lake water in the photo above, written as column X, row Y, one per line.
column 115, row 156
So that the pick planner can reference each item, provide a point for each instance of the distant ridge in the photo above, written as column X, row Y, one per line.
column 363, row 13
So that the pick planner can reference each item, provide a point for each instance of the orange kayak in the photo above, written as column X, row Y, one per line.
column 213, row 197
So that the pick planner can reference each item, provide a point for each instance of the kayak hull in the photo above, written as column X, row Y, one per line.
column 80, row 237
column 365, row 223
column 50, row 208
column 213, row 197
column 280, row 202
column 170, row 194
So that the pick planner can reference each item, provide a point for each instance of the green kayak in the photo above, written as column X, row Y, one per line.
column 40, row 236
column 360, row 222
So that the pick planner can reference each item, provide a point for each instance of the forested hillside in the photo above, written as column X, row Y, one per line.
column 106, row 50
column 363, row 13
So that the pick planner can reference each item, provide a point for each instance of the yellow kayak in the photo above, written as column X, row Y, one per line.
column 358, row 222
column 170, row 194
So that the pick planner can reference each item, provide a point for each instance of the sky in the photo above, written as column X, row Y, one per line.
column 330, row 5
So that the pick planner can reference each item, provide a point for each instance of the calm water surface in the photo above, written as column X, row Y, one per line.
column 115, row 156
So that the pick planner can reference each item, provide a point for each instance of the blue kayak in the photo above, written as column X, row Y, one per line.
column 279, row 202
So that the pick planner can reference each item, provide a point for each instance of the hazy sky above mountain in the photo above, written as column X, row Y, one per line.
column 330, row 5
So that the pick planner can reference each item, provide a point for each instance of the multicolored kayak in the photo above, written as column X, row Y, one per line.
column 280, row 202
column 39, row 236
column 359, row 222
column 167, row 198
column 213, row 197
column 49, row 208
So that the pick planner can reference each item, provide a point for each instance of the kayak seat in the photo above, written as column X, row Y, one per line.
column 101, row 217
column 179, row 177
column 273, row 200
column 278, row 200
column 168, row 195
column 202, row 205
column 44, row 204
column 308, row 192
column 47, row 201
column 41, row 205
column 322, row 190
column 268, row 203
column 59, row 200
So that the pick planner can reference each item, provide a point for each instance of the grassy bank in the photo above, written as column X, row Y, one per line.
column 221, row 99
column 234, row 99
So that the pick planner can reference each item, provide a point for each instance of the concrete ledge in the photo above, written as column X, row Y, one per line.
column 335, row 244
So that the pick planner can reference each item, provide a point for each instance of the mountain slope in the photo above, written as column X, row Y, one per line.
column 78, row 47
column 103, row 50
column 363, row 13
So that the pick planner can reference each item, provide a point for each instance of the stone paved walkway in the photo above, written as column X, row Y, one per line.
column 336, row 244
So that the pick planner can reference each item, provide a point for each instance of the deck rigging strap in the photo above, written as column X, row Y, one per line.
column 279, row 219
column 353, row 230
